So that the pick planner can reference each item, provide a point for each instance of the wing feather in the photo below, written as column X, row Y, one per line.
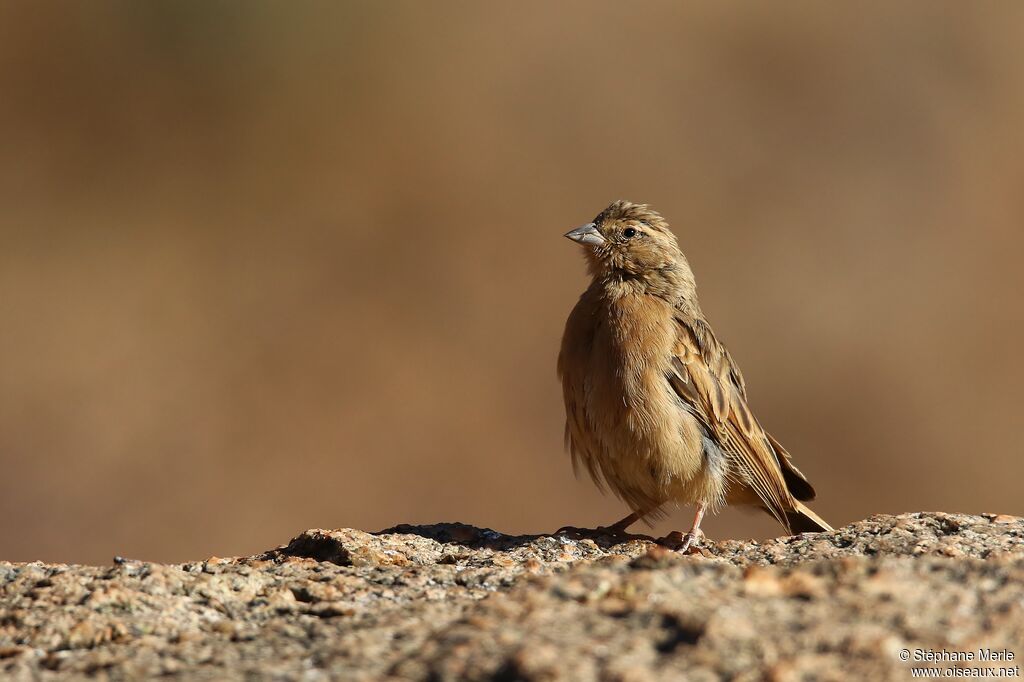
column 795, row 479
column 707, row 379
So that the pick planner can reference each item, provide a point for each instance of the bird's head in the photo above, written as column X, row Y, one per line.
column 630, row 240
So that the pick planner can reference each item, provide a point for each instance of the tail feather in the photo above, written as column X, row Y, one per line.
column 803, row 520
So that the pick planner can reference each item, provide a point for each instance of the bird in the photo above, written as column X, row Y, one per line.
column 656, row 407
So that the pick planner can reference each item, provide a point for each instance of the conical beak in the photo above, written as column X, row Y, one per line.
column 586, row 234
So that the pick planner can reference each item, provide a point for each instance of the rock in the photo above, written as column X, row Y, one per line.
column 451, row 601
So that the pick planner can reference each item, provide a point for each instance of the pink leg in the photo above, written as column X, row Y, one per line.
column 617, row 528
column 683, row 543
column 621, row 525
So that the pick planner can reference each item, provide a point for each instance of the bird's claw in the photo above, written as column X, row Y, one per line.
column 616, row 534
column 570, row 529
column 682, row 543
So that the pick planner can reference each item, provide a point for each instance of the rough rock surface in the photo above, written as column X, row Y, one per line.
column 452, row 601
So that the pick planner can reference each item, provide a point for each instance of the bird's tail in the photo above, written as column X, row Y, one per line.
column 803, row 520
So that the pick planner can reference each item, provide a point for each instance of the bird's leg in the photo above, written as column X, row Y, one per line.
column 683, row 543
column 617, row 528
column 621, row 525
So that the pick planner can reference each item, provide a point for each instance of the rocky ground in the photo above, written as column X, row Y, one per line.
column 452, row 601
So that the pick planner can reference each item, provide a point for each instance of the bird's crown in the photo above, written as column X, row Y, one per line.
column 625, row 211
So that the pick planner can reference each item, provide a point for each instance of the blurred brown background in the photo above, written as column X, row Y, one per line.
column 266, row 267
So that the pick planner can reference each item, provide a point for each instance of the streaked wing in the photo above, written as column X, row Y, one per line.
column 797, row 483
column 709, row 382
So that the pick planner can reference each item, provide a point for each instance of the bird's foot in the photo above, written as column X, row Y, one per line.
column 572, row 530
column 682, row 543
column 602, row 533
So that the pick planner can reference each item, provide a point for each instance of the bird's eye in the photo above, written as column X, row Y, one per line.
column 629, row 233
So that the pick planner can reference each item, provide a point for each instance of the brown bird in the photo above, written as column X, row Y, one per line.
column 656, row 408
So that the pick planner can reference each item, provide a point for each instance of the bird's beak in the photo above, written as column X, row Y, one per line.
column 586, row 234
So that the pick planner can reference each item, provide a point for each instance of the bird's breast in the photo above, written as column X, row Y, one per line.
column 644, row 431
